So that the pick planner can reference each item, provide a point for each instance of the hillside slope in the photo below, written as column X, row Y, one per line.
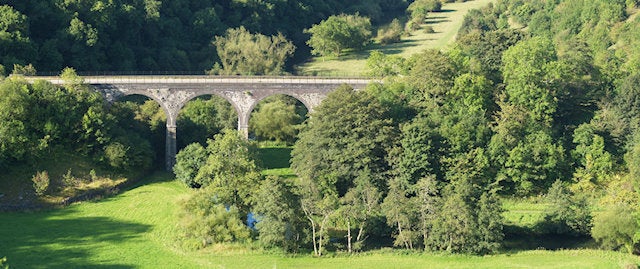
column 445, row 24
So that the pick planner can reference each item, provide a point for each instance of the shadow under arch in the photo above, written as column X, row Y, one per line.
column 203, row 116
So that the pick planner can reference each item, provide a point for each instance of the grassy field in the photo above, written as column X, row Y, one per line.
column 445, row 24
column 137, row 229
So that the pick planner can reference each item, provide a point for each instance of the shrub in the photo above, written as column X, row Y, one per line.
column 40, row 182
column 566, row 213
column 68, row 179
column 429, row 29
column 391, row 33
column 615, row 229
column 205, row 221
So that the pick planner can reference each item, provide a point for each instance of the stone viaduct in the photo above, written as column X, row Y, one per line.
column 244, row 93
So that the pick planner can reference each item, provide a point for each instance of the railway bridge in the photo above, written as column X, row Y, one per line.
column 243, row 92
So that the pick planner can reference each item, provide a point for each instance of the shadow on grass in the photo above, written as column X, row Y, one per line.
column 429, row 21
column 520, row 239
column 274, row 158
column 59, row 240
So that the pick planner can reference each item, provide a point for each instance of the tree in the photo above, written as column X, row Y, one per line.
column 15, row 45
column 469, row 220
column 381, row 65
column 275, row 120
column 617, row 228
column 596, row 164
column 205, row 220
column 347, row 135
column 202, row 118
column 40, row 182
column 344, row 144
column 566, row 213
column 14, row 111
column 420, row 8
column 402, row 214
column 319, row 201
column 359, row 205
column 230, row 170
column 188, row 163
column 337, row 33
column 244, row 53
column 431, row 76
column 280, row 216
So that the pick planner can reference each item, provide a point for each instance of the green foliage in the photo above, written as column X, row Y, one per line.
column 188, row 162
column 275, row 120
column 16, row 48
column 391, row 33
column 206, row 221
column 230, row 170
column 337, row 33
column 420, row 8
column 466, row 223
column 381, row 65
column 484, row 50
column 525, row 69
column 280, row 215
column 14, row 112
column 127, row 153
column 3, row 263
column 41, row 182
column 565, row 213
column 596, row 163
column 244, row 53
column 431, row 75
column 347, row 135
column 401, row 214
column 200, row 119
column 358, row 206
column 27, row 70
column 616, row 228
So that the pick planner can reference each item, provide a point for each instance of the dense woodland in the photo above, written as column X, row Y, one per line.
column 152, row 35
column 535, row 99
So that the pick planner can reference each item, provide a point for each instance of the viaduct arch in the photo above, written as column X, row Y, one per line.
column 244, row 93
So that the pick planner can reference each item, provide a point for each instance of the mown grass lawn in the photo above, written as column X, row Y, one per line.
column 137, row 229
column 445, row 25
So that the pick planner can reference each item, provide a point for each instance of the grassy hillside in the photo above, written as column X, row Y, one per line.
column 137, row 229
column 445, row 24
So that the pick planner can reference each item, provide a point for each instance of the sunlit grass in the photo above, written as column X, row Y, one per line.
column 445, row 24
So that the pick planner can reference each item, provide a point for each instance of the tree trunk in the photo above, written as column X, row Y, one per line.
column 349, row 235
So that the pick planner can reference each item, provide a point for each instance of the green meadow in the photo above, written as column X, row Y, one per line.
column 137, row 229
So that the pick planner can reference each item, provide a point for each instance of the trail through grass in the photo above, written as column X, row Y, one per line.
column 445, row 24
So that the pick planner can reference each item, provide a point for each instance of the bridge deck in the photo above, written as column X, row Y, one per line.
column 167, row 80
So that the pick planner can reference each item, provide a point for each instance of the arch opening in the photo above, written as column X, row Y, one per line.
column 144, row 120
column 277, row 118
column 202, row 117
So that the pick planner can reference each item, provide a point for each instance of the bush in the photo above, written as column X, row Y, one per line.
column 205, row 221
column 429, row 29
column 40, row 182
column 566, row 213
column 616, row 228
column 127, row 153
column 391, row 33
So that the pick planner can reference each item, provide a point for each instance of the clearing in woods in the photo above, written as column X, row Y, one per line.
column 445, row 24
